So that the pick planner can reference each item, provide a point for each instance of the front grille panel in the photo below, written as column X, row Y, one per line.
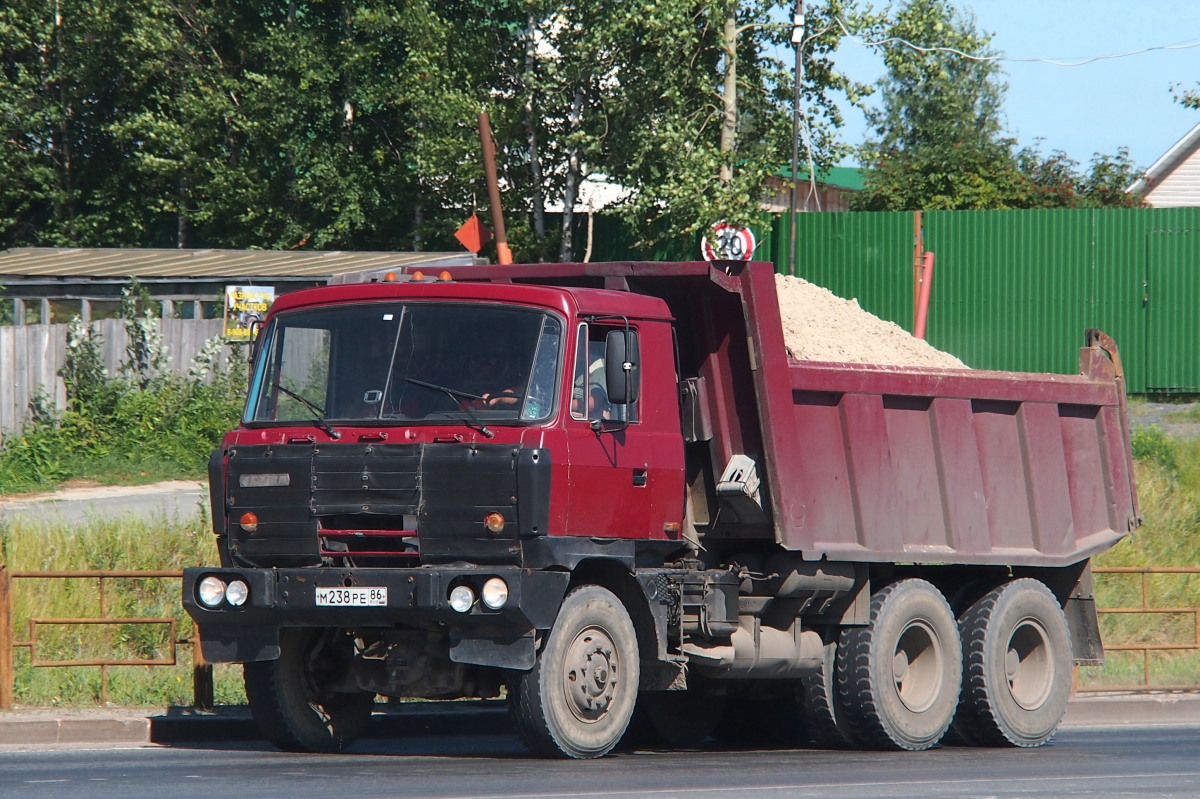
column 379, row 504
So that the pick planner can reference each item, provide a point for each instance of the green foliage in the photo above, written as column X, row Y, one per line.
column 140, row 314
column 684, row 175
column 1150, row 444
column 1056, row 181
column 1168, row 471
column 352, row 125
column 1188, row 98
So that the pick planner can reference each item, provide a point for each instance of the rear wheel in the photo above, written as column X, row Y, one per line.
column 1016, row 666
column 898, row 677
column 299, row 700
column 580, row 695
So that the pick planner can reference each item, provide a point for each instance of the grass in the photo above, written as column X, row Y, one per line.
column 163, row 543
column 1192, row 414
column 1168, row 477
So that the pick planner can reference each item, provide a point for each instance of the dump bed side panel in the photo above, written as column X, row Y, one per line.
column 948, row 466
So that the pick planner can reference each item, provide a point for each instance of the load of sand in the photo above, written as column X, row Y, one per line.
column 818, row 325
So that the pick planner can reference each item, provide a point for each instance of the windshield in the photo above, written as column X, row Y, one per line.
column 407, row 363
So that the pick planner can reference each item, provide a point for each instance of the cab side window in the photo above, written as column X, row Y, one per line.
column 589, row 393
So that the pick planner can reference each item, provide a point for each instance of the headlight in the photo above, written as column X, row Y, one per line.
column 462, row 598
column 495, row 593
column 211, row 591
column 236, row 593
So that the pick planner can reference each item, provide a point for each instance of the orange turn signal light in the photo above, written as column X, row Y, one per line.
column 249, row 522
column 494, row 522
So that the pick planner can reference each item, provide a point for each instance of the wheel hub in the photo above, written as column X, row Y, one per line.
column 1028, row 665
column 917, row 666
column 590, row 676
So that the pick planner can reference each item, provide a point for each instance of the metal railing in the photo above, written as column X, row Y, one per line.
column 202, row 683
column 202, row 675
column 1148, row 608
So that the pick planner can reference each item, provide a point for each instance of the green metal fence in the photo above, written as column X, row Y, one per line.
column 1016, row 289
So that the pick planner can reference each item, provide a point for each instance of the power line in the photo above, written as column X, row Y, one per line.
column 1053, row 62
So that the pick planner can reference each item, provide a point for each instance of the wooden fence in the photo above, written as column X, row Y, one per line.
column 32, row 355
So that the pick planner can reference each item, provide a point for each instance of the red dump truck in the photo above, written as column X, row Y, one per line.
column 609, row 492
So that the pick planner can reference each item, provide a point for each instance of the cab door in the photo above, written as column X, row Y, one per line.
column 625, row 462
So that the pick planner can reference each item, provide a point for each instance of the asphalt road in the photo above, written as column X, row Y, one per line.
column 1098, row 763
column 175, row 498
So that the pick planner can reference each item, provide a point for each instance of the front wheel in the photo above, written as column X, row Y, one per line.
column 299, row 701
column 580, row 695
column 1016, row 666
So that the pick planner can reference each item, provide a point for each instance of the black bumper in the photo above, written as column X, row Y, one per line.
column 416, row 597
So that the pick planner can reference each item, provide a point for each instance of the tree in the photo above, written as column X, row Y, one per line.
column 351, row 123
column 637, row 92
column 1188, row 98
column 711, row 112
column 937, row 142
column 1056, row 181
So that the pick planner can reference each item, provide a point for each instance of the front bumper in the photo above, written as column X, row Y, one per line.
column 417, row 597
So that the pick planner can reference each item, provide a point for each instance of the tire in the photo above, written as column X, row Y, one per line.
column 291, row 699
column 898, row 677
column 580, row 695
column 825, row 719
column 1016, row 667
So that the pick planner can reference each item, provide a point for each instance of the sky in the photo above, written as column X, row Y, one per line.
column 1082, row 110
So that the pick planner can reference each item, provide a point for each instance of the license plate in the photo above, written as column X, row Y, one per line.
column 351, row 597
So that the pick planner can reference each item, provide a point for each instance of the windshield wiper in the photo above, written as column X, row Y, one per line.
column 318, row 411
column 455, row 395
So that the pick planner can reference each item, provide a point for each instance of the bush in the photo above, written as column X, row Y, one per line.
column 1151, row 444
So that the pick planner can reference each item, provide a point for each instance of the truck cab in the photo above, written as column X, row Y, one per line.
column 398, row 429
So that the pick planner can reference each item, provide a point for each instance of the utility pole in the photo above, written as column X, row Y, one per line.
column 798, row 44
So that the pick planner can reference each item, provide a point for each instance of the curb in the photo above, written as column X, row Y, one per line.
column 53, row 731
column 1133, row 709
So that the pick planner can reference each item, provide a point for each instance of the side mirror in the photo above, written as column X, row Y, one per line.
column 621, row 366
column 253, row 339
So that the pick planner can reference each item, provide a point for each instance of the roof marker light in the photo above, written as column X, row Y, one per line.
column 444, row 276
column 418, row 276
column 390, row 277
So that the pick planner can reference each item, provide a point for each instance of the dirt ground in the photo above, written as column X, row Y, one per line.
column 1165, row 415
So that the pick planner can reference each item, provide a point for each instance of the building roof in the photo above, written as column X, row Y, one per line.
column 44, row 264
column 1166, row 164
column 841, row 177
